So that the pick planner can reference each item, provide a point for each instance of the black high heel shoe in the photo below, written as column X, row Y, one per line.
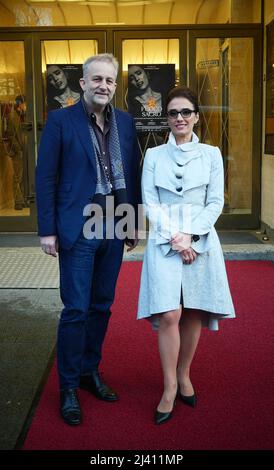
column 161, row 417
column 190, row 400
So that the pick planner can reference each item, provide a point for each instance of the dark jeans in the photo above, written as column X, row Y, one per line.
column 88, row 275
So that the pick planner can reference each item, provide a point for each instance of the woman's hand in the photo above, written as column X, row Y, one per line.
column 180, row 241
column 188, row 256
column 132, row 243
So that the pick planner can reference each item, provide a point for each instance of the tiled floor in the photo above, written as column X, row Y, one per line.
column 25, row 268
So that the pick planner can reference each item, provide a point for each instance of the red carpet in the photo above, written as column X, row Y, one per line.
column 232, row 372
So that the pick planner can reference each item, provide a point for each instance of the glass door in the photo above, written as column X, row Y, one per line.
column 225, row 69
column 151, row 63
column 61, row 55
column 27, row 64
column 17, row 211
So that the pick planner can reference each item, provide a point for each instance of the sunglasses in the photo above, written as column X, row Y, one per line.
column 185, row 113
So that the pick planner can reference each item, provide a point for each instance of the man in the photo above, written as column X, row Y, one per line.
column 88, row 153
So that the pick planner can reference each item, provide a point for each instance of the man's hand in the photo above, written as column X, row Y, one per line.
column 180, row 241
column 132, row 243
column 49, row 245
column 188, row 256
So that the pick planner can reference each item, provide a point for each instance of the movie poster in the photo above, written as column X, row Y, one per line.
column 63, row 88
column 148, row 86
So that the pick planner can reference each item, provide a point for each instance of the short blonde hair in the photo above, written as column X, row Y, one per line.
column 109, row 58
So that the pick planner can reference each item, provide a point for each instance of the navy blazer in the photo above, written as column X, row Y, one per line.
column 66, row 171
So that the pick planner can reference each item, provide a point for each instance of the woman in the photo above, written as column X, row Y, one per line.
column 144, row 98
column 184, row 283
column 61, row 94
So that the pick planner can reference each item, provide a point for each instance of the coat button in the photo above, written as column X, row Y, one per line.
column 178, row 175
column 179, row 189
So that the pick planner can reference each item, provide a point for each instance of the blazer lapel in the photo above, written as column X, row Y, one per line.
column 80, row 123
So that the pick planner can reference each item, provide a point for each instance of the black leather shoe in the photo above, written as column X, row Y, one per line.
column 161, row 417
column 94, row 384
column 70, row 407
column 188, row 400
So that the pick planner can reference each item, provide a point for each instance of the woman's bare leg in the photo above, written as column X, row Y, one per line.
column 169, row 346
column 190, row 330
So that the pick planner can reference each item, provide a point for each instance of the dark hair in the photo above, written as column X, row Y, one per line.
column 183, row 92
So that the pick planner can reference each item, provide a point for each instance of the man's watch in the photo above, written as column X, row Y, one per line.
column 195, row 238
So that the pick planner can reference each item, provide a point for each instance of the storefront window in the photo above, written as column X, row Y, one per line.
column 62, row 68
column 269, row 121
column 224, row 68
column 150, row 69
column 13, row 140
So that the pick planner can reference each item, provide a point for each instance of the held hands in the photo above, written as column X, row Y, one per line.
column 181, row 242
column 49, row 245
column 188, row 256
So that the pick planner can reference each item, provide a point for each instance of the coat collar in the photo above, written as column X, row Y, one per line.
column 183, row 153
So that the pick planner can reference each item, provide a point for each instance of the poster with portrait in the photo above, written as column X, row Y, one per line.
column 62, row 85
column 148, row 86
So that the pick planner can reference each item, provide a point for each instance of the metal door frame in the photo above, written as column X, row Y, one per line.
column 155, row 32
column 32, row 38
column 252, row 220
column 25, row 223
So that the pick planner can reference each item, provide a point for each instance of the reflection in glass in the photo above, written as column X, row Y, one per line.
column 13, row 144
column 224, row 70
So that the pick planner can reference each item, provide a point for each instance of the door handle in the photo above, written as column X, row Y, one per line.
column 27, row 126
column 30, row 198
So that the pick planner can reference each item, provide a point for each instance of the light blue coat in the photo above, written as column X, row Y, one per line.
column 183, row 190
